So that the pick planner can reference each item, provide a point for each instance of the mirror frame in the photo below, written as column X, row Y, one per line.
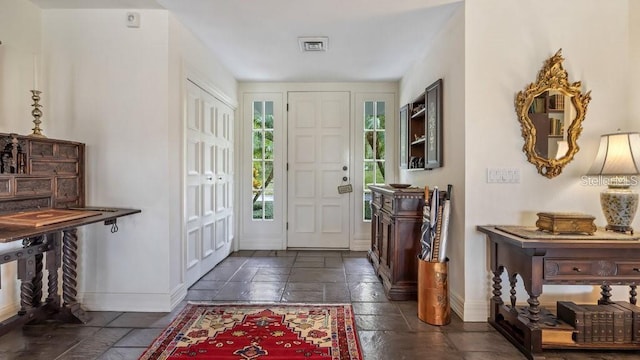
column 552, row 76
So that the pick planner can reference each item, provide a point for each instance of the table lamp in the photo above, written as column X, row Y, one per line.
column 618, row 164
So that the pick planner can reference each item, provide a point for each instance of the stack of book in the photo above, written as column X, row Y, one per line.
column 618, row 322
column 556, row 126
column 556, row 102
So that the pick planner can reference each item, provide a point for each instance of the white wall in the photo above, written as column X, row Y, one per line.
column 634, row 78
column 503, row 56
column 119, row 89
column 20, row 36
column 108, row 87
column 445, row 59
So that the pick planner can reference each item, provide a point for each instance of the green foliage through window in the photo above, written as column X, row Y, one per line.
column 262, row 159
column 374, row 151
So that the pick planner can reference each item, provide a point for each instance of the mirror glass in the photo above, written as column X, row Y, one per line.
column 551, row 112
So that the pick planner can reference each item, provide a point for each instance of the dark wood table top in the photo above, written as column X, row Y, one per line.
column 531, row 238
column 9, row 233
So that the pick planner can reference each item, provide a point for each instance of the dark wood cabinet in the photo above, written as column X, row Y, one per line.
column 396, row 218
column 40, row 173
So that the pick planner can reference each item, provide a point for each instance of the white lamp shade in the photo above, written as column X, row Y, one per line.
column 618, row 155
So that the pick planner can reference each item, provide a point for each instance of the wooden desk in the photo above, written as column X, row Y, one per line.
column 59, row 242
column 604, row 259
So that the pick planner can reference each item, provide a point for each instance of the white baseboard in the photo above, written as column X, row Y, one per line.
column 133, row 302
column 456, row 302
column 9, row 310
column 474, row 311
column 265, row 245
column 360, row 245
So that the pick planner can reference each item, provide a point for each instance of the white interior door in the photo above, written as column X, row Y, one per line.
column 207, row 203
column 318, row 161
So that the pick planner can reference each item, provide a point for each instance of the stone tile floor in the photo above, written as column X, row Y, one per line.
column 388, row 330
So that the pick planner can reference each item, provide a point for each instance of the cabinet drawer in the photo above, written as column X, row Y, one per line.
column 41, row 167
column 67, row 187
column 67, row 151
column 570, row 269
column 41, row 149
column 377, row 199
column 388, row 204
column 5, row 187
column 33, row 186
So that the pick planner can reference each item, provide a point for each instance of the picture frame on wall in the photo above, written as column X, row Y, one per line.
column 433, row 146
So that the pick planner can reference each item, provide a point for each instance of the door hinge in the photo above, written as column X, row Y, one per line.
column 287, row 166
column 287, row 227
column 287, row 106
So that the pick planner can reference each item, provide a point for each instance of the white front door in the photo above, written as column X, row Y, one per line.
column 208, row 194
column 318, row 162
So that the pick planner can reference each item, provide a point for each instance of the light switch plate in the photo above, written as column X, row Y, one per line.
column 503, row 175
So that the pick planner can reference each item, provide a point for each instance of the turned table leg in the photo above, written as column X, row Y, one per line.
column 497, row 287
column 26, row 271
column 53, row 264
column 606, row 294
column 513, row 280
column 70, row 275
column 632, row 294
column 534, row 311
column 30, row 275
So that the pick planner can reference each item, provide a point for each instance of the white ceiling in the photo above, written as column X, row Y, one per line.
column 369, row 40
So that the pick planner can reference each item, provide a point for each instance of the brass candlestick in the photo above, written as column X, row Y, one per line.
column 37, row 132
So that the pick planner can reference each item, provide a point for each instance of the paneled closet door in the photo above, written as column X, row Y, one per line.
column 209, row 175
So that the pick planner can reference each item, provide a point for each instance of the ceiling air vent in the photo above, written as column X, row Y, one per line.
column 313, row 43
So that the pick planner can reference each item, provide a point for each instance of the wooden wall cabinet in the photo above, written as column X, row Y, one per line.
column 396, row 218
column 40, row 173
column 426, row 128
column 417, row 132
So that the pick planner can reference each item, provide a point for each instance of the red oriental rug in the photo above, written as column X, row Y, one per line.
column 258, row 332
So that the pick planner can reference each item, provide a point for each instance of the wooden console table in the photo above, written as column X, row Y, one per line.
column 59, row 242
column 604, row 258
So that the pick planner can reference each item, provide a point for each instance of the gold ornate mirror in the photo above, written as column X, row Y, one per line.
column 551, row 112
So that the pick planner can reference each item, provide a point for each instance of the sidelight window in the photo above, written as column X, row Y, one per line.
column 374, row 151
column 262, row 150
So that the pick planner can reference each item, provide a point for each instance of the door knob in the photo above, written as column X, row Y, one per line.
column 344, row 178
column 344, row 168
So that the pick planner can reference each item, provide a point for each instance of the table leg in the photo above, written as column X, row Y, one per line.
column 53, row 264
column 69, row 275
column 534, row 310
column 497, row 287
column 26, row 270
column 606, row 294
column 37, row 280
column 30, row 275
column 632, row 294
column 513, row 279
